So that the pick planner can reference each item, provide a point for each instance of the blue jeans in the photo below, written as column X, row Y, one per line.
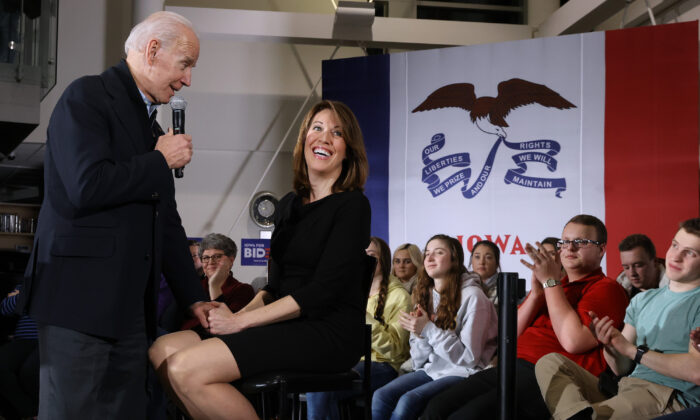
column 406, row 396
column 324, row 405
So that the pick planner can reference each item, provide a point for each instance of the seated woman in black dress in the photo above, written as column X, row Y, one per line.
column 311, row 314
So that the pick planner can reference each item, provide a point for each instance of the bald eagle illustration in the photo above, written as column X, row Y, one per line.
column 488, row 113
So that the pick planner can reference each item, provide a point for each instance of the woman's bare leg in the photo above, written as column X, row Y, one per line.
column 164, row 347
column 200, row 377
column 168, row 344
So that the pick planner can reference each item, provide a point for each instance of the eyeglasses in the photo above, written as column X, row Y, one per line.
column 578, row 243
column 213, row 258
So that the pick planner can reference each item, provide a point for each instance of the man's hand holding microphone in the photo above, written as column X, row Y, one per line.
column 175, row 145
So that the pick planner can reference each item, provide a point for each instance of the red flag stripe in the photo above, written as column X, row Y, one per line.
column 651, row 133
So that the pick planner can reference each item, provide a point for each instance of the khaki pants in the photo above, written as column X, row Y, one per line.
column 567, row 388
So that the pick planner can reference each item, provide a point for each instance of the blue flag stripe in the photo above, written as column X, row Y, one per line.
column 363, row 84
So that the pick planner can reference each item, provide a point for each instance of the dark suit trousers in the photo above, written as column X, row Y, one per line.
column 83, row 376
column 19, row 378
column 475, row 397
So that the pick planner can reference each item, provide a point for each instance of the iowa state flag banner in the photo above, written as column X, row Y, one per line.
column 508, row 141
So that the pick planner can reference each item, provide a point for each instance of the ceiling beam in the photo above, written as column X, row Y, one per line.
column 578, row 16
column 318, row 29
column 638, row 14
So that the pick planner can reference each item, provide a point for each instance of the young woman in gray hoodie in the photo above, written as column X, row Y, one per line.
column 453, row 332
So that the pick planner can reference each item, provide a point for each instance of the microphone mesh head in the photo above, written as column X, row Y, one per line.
column 177, row 103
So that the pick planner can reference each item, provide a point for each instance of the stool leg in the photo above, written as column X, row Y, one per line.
column 284, row 402
column 295, row 406
column 264, row 405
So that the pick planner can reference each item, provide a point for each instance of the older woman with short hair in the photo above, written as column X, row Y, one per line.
column 218, row 253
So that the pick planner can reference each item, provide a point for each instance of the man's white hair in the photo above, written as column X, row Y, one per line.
column 163, row 26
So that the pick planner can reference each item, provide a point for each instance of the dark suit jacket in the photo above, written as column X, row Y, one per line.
column 109, row 222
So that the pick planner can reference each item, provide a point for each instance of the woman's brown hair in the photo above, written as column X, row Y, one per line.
column 384, row 262
column 355, row 166
column 451, row 295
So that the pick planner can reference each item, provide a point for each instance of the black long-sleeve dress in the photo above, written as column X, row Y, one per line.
column 317, row 257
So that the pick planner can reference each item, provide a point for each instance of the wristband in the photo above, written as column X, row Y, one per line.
column 640, row 352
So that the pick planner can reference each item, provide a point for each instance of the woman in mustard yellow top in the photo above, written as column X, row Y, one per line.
column 387, row 298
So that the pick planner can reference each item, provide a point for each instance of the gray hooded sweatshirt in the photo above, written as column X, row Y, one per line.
column 469, row 347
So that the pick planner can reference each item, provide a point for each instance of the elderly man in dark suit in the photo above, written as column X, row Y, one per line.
column 109, row 226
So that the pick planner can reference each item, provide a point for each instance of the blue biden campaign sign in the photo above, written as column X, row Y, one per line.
column 255, row 251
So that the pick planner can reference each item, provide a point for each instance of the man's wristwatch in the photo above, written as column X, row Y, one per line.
column 550, row 282
column 640, row 352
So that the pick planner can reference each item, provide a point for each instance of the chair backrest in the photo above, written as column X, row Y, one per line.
column 367, row 277
column 368, row 273
column 370, row 266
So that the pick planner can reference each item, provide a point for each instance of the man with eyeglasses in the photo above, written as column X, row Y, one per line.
column 654, row 347
column 217, row 253
column 553, row 318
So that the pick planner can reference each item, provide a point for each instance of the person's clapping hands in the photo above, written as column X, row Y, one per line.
column 604, row 330
column 414, row 321
column 544, row 265
column 536, row 288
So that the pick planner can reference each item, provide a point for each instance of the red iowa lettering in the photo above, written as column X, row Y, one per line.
column 516, row 247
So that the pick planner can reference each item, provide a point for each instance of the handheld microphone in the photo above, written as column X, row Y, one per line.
column 178, row 105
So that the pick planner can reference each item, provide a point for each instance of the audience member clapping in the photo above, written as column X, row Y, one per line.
column 653, row 346
column 550, row 245
column 553, row 318
column 407, row 263
column 453, row 332
column 387, row 300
